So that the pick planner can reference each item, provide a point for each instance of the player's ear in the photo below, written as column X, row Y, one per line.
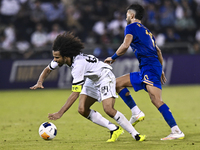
column 132, row 16
column 65, row 58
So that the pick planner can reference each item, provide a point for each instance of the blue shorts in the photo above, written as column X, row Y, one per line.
column 150, row 75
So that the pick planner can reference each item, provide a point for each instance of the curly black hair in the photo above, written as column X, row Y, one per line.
column 68, row 45
column 138, row 9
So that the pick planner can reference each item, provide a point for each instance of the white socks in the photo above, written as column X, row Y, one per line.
column 175, row 129
column 124, row 123
column 135, row 110
column 97, row 118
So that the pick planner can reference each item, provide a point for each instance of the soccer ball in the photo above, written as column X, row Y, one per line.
column 47, row 131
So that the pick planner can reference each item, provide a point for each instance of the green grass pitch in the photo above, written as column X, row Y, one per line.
column 22, row 112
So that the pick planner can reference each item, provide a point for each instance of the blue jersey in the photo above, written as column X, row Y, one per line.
column 143, row 44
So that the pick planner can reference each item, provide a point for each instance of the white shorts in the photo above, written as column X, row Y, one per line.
column 102, row 89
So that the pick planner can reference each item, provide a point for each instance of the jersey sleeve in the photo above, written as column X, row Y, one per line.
column 78, row 73
column 129, row 30
column 53, row 65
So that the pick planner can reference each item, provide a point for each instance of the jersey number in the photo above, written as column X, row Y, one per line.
column 150, row 34
column 91, row 59
column 104, row 90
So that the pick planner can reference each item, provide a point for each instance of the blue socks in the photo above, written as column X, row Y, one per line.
column 164, row 110
column 127, row 99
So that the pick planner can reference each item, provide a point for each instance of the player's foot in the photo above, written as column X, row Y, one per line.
column 139, row 137
column 115, row 134
column 137, row 118
column 174, row 136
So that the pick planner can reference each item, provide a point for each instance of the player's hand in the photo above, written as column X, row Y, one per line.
column 54, row 116
column 37, row 86
column 163, row 78
column 109, row 60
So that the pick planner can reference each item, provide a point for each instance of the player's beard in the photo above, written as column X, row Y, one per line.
column 60, row 64
column 128, row 21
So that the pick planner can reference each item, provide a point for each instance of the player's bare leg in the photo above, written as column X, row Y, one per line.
column 155, row 95
column 85, row 102
column 108, row 105
column 121, row 87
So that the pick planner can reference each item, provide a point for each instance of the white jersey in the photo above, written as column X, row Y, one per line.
column 85, row 66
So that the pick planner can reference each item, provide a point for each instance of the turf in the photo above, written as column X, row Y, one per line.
column 22, row 112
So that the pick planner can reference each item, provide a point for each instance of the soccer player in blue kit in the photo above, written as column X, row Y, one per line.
column 150, row 77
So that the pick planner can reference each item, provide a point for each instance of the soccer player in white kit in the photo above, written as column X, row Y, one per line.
column 93, row 80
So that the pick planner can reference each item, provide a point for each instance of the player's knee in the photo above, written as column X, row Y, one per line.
column 81, row 110
column 153, row 98
column 156, row 100
column 108, row 111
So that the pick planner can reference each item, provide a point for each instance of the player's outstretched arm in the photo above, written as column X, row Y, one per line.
column 121, row 50
column 41, row 79
column 72, row 98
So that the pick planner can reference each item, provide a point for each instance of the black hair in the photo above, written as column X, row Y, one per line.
column 68, row 45
column 138, row 9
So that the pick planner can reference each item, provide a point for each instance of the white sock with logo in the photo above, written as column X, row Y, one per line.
column 97, row 118
column 124, row 123
column 175, row 129
column 135, row 110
